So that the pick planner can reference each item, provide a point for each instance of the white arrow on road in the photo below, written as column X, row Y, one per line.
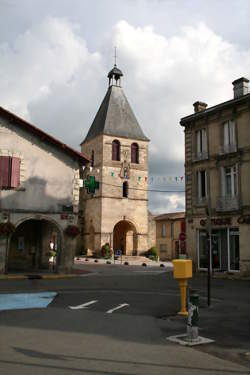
column 83, row 306
column 117, row 308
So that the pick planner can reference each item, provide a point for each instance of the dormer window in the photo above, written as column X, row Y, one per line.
column 135, row 153
column 116, row 150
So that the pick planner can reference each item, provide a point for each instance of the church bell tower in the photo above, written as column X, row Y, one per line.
column 117, row 212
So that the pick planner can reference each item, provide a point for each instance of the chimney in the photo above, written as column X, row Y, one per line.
column 240, row 87
column 199, row 106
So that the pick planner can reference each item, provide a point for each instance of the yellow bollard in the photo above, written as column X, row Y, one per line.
column 182, row 272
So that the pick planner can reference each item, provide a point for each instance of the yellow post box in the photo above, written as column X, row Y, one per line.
column 182, row 272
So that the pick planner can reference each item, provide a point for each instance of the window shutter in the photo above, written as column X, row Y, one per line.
column 223, row 182
column 198, row 141
column 15, row 172
column 4, row 171
column 232, row 132
column 204, row 140
column 226, row 134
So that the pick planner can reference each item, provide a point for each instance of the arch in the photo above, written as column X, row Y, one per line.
column 135, row 153
column 125, row 237
column 116, row 150
column 125, row 189
column 30, row 245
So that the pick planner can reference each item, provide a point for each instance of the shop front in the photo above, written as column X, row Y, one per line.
column 225, row 254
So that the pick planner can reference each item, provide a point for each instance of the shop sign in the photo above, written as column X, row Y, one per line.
column 244, row 219
column 217, row 221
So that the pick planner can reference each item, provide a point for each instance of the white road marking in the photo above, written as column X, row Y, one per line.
column 117, row 308
column 83, row 306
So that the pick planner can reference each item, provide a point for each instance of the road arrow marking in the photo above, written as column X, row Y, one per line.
column 83, row 306
column 117, row 308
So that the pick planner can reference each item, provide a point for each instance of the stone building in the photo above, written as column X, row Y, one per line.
column 117, row 212
column 39, row 197
column 217, row 166
column 170, row 235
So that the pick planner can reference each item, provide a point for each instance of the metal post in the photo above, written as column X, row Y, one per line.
column 209, row 231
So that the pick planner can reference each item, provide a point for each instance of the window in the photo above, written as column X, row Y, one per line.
column 202, row 184
column 9, row 172
column 116, row 150
column 230, row 181
column 125, row 189
column 164, row 230
column 201, row 144
column 229, row 137
column 92, row 160
column 135, row 153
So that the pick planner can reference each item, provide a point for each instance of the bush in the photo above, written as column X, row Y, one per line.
column 106, row 251
column 152, row 253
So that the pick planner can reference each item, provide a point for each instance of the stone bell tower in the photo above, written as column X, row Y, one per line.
column 117, row 212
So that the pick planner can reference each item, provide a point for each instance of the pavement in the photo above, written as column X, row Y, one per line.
column 131, row 339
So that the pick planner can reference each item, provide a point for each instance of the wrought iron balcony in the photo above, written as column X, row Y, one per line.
column 203, row 155
column 227, row 203
column 227, row 149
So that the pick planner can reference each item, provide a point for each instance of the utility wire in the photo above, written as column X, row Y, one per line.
column 150, row 190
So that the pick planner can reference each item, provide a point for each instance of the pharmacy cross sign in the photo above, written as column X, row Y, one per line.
column 91, row 184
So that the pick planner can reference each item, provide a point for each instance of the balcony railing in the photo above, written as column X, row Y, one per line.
column 203, row 155
column 227, row 204
column 226, row 149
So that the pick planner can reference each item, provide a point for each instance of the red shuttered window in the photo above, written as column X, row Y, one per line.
column 9, row 172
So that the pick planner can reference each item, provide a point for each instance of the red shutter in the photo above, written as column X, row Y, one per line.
column 4, row 171
column 183, row 227
column 15, row 172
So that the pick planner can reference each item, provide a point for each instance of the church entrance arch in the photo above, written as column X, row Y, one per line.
column 125, row 238
column 33, row 244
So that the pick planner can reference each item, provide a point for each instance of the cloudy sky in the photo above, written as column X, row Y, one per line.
column 55, row 55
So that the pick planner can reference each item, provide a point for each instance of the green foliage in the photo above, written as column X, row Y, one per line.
column 106, row 251
column 153, row 253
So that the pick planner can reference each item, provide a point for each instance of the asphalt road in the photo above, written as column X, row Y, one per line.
column 115, row 320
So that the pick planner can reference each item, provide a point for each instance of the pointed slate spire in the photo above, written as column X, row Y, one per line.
column 115, row 116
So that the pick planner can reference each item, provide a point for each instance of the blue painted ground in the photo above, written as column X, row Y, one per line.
column 26, row 300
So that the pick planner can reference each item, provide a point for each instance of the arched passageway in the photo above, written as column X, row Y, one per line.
column 31, row 244
column 125, row 238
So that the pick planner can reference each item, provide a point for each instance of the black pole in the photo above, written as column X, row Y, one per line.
column 208, row 269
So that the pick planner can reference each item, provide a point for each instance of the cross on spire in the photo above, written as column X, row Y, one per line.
column 115, row 56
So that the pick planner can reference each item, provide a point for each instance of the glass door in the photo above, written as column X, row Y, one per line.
column 234, row 249
column 216, row 250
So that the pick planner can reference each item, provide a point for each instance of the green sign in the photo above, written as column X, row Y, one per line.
column 91, row 184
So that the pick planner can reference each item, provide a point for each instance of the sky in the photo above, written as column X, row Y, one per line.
column 55, row 56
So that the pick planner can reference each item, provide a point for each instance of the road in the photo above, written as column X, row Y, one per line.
column 115, row 320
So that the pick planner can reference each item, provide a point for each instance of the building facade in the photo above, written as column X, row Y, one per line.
column 117, row 212
column 217, row 168
column 39, row 197
column 170, row 235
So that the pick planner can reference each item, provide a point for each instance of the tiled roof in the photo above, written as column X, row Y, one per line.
column 170, row 216
column 43, row 136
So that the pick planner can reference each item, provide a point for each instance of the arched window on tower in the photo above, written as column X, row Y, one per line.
column 125, row 189
column 92, row 158
column 135, row 153
column 116, row 150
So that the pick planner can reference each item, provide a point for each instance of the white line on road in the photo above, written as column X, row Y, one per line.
column 117, row 308
column 83, row 306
